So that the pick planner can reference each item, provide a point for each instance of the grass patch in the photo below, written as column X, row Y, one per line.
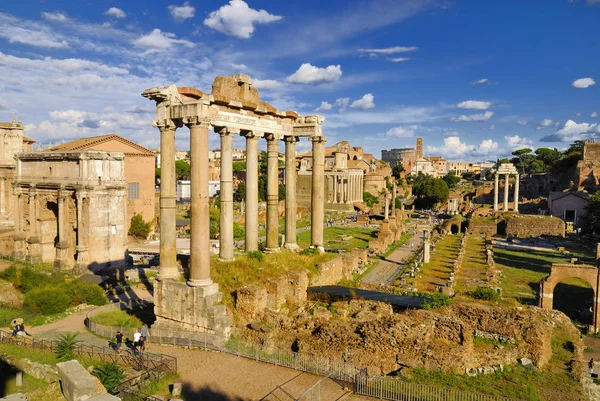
column 396, row 245
column 473, row 267
column 35, row 355
column 336, row 237
column 437, row 271
column 118, row 318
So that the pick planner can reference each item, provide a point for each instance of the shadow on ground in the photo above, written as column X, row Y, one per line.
column 206, row 394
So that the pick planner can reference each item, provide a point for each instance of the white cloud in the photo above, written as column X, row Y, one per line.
column 115, row 13
column 582, row 83
column 237, row 19
column 183, row 12
column 390, row 50
column 402, row 132
column 324, row 107
column 474, row 104
column 453, row 148
column 594, row 114
column 573, row 131
column 267, row 84
column 474, row 117
column 364, row 103
column 309, row 74
column 545, row 123
column 342, row 102
column 522, row 122
column 239, row 66
column 399, row 59
column 33, row 34
column 480, row 81
column 516, row 142
column 158, row 41
column 55, row 16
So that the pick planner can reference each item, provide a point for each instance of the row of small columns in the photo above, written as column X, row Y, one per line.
column 346, row 188
column 200, row 233
column 516, row 199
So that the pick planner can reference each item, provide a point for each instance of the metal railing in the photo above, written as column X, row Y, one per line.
column 38, row 266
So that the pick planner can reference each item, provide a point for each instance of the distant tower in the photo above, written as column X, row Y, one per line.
column 419, row 153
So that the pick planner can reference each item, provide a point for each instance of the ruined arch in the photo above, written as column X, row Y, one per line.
column 454, row 229
column 560, row 272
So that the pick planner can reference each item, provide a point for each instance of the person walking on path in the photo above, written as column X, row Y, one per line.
column 119, row 341
column 136, row 340
column 591, row 366
column 144, row 332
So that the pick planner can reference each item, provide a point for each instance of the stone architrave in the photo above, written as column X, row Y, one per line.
column 272, row 193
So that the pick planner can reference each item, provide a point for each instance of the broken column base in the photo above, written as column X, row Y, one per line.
column 189, row 313
column 63, row 262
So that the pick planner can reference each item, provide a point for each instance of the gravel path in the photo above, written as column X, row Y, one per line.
column 387, row 269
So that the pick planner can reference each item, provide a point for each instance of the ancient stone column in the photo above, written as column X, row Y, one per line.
column 32, row 213
column 426, row 246
column 290, row 193
column 81, row 247
column 2, row 198
column 251, row 191
column 61, row 215
column 394, row 199
column 226, row 223
column 272, row 194
column 168, row 245
column 386, row 215
column 335, row 189
column 506, row 178
column 496, row 193
column 517, row 193
column 200, row 223
column 317, row 194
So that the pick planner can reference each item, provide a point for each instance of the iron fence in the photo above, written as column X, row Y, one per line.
column 38, row 266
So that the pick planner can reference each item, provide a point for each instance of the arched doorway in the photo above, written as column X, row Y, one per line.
column 454, row 228
column 575, row 298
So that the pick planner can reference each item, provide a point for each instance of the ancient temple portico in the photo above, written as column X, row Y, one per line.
column 507, row 170
column 233, row 108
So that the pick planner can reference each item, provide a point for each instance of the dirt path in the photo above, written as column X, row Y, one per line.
column 387, row 269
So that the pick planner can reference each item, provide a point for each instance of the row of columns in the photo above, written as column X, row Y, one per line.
column 200, row 233
column 345, row 188
column 516, row 192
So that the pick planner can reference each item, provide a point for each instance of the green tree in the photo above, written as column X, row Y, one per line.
column 182, row 170
column 156, row 174
column 521, row 158
column 451, row 179
column 138, row 227
column 240, row 193
column 429, row 191
column 238, row 166
column 66, row 345
column 215, row 217
column 369, row 199
column 397, row 170
column 592, row 215
column 548, row 156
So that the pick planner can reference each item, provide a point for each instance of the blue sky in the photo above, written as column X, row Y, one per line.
column 476, row 79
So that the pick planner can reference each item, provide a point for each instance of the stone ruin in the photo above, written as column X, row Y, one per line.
column 234, row 107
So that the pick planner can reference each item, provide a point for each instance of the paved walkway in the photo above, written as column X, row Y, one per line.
column 389, row 268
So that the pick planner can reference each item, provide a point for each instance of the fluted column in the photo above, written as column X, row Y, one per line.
column 17, row 210
column 290, row 193
column 168, row 246
column 496, row 193
column 3, row 213
column 251, row 191
column 61, row 215
column 33, row 227
column 506, row 177
column 200, row 222
column 517, row 193
column 386, row 214
column 317, row 194
column 394, row 199
column 226, row 223
column 335, row 189
column 272, row 194
column 81, row 247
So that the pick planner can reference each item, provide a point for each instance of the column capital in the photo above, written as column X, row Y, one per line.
column 249, row 134
column 166, row 124
column 225, row 131
column 270, row 137
column 204, row 122
column 290, row 139
column 318, row 139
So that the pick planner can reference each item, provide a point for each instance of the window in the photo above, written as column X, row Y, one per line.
column 134, row 190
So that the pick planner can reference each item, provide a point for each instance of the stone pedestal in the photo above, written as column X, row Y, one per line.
column 83, row 259
column 63, row 262
column 179, row 307
column 19, row 248
column 35, row 250
column 426, row 247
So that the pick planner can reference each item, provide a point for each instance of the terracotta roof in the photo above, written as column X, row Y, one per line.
column 27, row 139
column 85, row 143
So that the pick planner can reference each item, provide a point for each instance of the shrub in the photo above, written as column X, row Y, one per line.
column 109, row 374
column 66, row 345
column 369, row 199
column 138, row 227
column 88, row 293
column 256, row 255
column 238, row 231
column 9, row 274
column 47, row 300
column 485, row 293
column 434, row 300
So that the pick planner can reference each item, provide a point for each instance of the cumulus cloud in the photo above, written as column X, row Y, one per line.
column 480, row 81
column 594, row 115
column 324, row 107
column 583, row 83
column 573, row 131
column 545, row 123
column 309, row 74
column 183, row 12
column 474, row 117
column 455, row 148
column 238, row 20
column 342, row 102
column 18, row 31
column 55, row 16
column 115, row 13
column 158, row 41
column 474, row 104
column 516, row 142
column 522, row 122
column 267, row 84
column 402, row 132
column 364, row 103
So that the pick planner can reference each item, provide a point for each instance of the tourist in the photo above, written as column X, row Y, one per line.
column 591, row 366
column 144, row 332
column 142, row 345
column 136, row 340
column 119, row 341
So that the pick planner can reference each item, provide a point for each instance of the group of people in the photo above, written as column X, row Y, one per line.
column 19, row 327
column 139, row 340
